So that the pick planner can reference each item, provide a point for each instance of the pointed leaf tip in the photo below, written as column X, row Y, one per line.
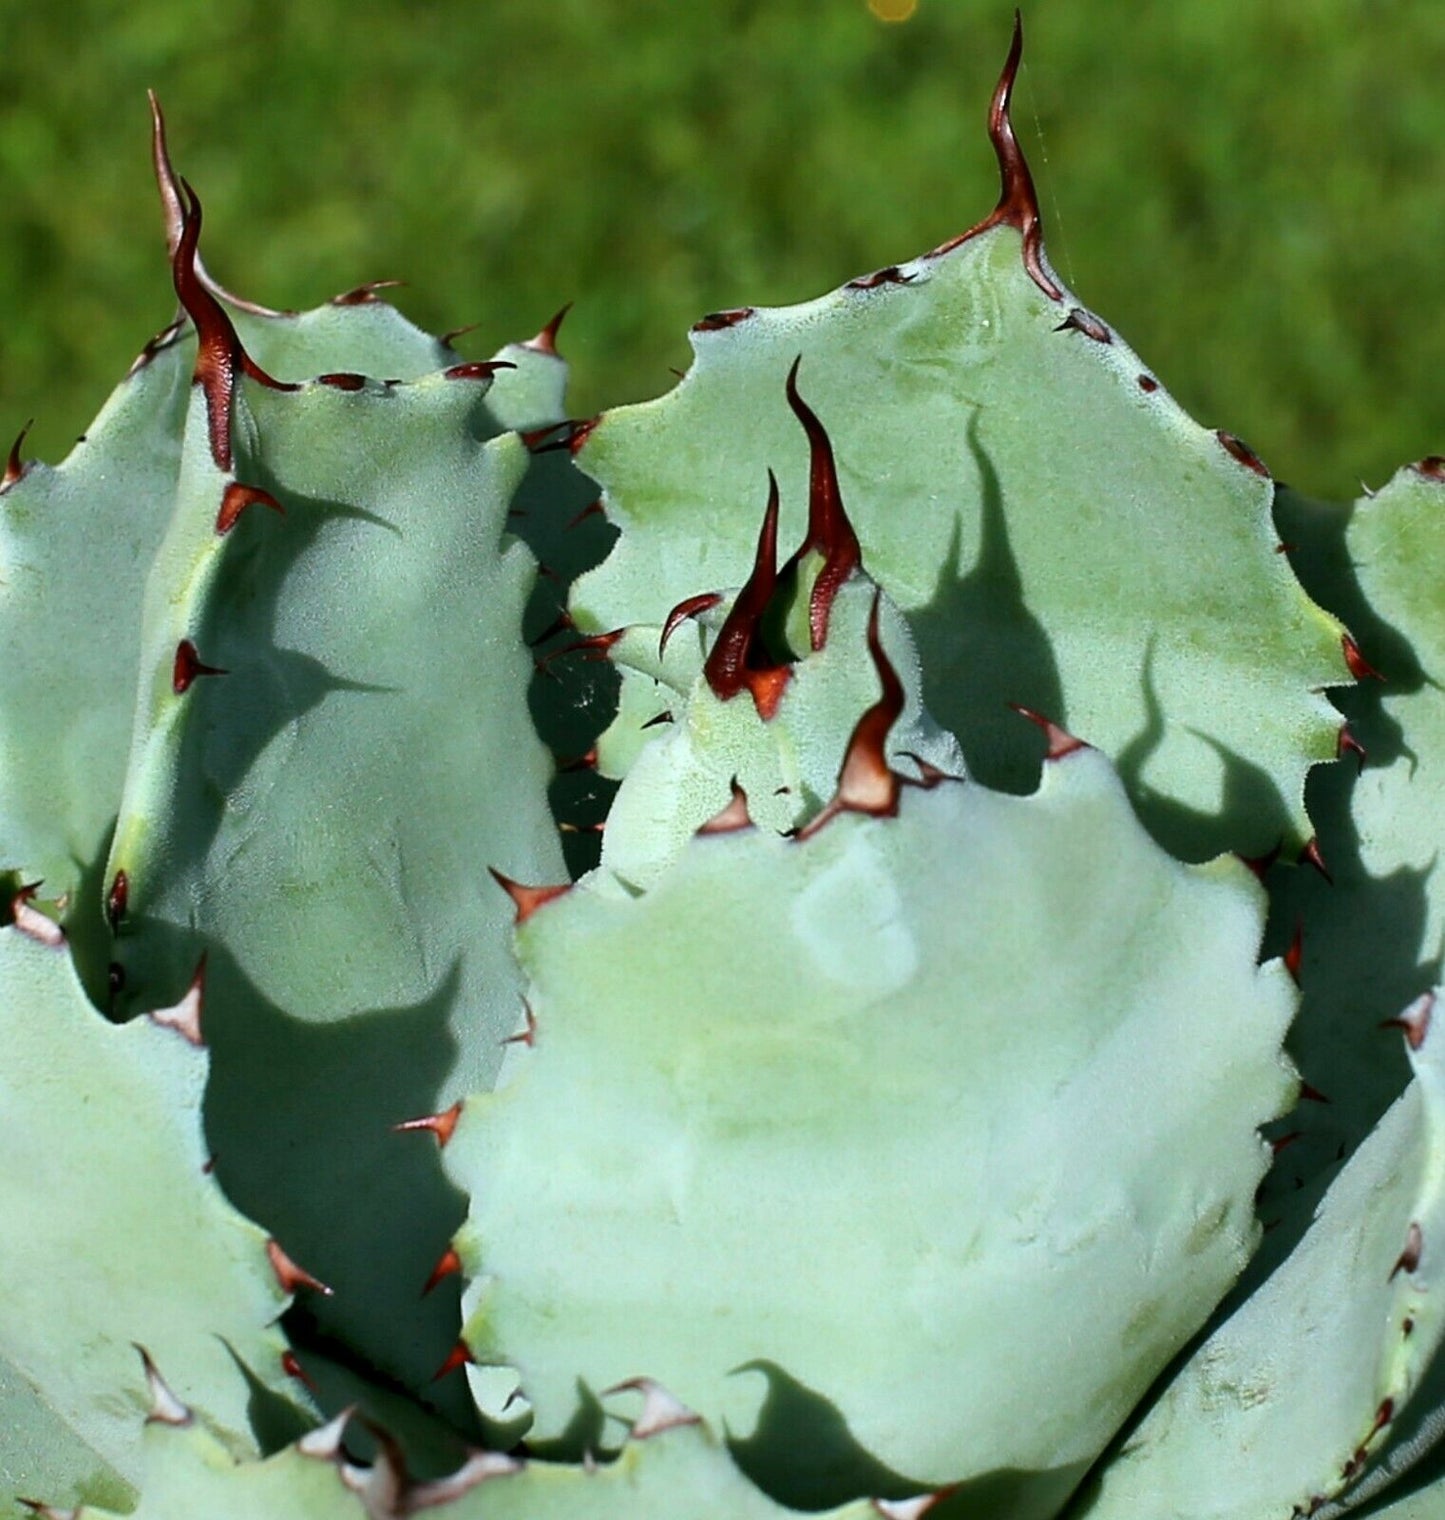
column 661, row 1410
column 737, row 662
column 1018, row 203
column 830, row 532
column 527, row 900
column 289, row 1275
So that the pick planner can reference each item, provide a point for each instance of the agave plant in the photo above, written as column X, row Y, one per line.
column 843, row 973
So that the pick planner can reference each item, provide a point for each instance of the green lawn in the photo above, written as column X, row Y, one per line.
column 1252, row 201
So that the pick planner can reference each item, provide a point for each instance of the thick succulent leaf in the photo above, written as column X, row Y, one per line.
column 318, row 817
column 1057, row 531
column 114, row 1233
column 979, row 1082
column 787, row 765
column 680, row 1468
column 1398, row 548
column 1364, row 934
column 1284, row 1405
column 76, row 544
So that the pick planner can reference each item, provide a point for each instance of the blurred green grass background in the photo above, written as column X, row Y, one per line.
column 1252, row 196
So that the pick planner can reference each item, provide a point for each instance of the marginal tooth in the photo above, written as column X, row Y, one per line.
column 661, row 1410
column 546, row 341
column 291, row 1366
column 441, row 1125
column 909, row 1509
column 166, row 1408
column 185, row 1017
column 527, row 900
column 733, row 816
column 528, row 1034
column 478, row 1468
column 449, row 1265
column 32, row 922
column 289, row 1275
column 187, row 666
column 458, row 1356
column 689, row 607
column 1414, row 1021
column 15, row 466
column 1311, row 855
column 324, row 1443
column 1359, row 667
column 1061, row 741
column 1409, row 1259
column 236, row 498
